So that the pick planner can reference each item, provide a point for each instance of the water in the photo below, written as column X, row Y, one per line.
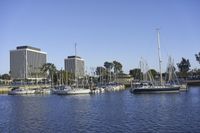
column 110, row 112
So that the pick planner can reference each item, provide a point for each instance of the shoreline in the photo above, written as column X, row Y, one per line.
column 193, row 82
column 6, row 89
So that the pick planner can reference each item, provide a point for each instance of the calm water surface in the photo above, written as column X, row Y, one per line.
column 109, row 112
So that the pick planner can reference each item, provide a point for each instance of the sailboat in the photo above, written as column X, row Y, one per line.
column 22, row 90
column 61, row 89
column 172, row 77
column 77, row 90
column 151, row 88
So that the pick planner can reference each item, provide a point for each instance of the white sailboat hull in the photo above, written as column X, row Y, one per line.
column 78, row 91
column 61, row 90
column 21, row 92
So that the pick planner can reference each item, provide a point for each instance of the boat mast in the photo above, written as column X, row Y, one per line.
column 75, row 76
column 159, row 55
column 75, row 49
column 141, row 71
column 26, row 65
column 75, row 60
column 61, row 76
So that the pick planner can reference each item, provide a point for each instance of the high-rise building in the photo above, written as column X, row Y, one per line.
column 76, row 65
column 26, row 62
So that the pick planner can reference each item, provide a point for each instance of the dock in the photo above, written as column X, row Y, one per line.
column 193, row 82
column 4, row 89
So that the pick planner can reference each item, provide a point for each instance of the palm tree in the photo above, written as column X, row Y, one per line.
column 101, row 72
column 136, row 73
column 109, row 67
column 198, row 57
column 50, row 69
column 117, row 67
column 184, row 67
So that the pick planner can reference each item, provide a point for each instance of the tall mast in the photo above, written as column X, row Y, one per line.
column 26, row 65
column 61, row 76
column 141, row 71
column 159, row 55
column 75, row 49
column 75, row 76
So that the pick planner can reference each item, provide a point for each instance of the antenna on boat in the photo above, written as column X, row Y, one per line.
column 159, row 54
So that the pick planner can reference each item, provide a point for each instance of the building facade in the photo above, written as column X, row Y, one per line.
column 76, row 65
column 26, row 62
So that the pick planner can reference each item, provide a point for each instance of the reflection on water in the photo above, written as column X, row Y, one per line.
column 109, row 112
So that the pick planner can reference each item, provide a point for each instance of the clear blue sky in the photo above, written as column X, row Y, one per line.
column 104, row 30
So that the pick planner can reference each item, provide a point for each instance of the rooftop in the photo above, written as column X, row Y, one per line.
column 29, row 47
column 71, row 57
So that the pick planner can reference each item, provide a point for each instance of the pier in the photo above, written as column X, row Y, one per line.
column 193, row 82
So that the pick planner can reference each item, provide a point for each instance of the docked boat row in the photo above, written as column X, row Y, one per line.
column 113, row 87
column 67, row 90
column 43, row 90
column 108, row 88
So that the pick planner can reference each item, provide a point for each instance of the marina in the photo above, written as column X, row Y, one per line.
column 99, row 66
column 110, row 112
column 60, row 90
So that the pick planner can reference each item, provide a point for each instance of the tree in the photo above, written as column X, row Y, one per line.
column 184, row 67
column 101, row 72
column 71, row 77
column 136, row 73
column 109, row 67
column 55, row 78
column 198, row 57
column 63, row 77
column 117, row 67
column 50, row 69
column 153, row 73
column 5, row 77
column 194, row 73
